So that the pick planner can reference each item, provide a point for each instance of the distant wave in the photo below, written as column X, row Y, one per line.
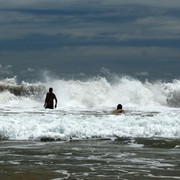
column 23, row 89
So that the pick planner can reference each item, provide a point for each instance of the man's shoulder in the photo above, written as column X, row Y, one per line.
column 117, row 111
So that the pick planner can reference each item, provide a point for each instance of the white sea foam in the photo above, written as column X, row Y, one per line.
column 99, row 93
column 66, row 125
column 84, row 109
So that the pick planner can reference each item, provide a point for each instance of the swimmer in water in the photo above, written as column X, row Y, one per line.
column 119, row 109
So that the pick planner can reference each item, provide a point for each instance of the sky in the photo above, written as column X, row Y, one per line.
column 140, row 38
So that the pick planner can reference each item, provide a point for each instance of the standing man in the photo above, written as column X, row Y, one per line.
column 49, row 101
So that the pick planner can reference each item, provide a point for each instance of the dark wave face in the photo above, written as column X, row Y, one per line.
column 23, row 89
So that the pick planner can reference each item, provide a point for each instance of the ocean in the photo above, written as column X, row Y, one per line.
column 81, row 138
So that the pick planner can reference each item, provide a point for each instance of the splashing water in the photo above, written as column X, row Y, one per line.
column 84, row 109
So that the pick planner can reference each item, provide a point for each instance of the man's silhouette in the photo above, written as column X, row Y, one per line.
column 49, row 100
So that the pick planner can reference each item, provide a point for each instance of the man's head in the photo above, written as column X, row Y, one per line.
column 50, row 89
column 119, row 106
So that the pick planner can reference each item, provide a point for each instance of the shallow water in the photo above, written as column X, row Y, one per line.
column 123, row 158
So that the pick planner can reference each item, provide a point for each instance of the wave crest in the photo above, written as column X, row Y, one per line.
column 98, row 92
column 23, row 89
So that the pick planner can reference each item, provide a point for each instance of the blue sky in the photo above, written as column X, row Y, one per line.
column 133, row 37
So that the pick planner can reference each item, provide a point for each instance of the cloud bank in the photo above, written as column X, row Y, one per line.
column 108, row 32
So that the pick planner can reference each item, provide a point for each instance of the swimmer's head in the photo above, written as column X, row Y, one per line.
column 119, row 106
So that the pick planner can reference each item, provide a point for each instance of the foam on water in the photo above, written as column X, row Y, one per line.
column 65, row 125
column 84, row 109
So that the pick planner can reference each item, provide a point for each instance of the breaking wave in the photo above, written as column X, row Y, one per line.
column 23, row 89
column 97, row 92
column 84, row 109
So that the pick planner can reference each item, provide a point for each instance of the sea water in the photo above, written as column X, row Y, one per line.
column 81, row 138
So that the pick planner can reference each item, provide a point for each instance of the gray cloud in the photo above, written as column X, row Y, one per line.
column 65, row 3
column 110, row 33
column 121, row 22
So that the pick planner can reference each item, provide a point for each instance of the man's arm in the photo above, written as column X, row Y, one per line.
column 55, row 101
column 45, row 101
